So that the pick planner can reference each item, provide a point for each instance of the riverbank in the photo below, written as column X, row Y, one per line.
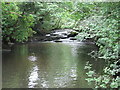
column 60, row 35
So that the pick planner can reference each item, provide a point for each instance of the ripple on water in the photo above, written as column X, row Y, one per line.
column 44, row 84
column 32, row 58
column 33, row 77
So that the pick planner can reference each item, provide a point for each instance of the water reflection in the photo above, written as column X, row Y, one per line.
column 47, row 65
column 32, row 58
column 33, row 78
column 73, row 73
column 74, row 49
column 44, row 83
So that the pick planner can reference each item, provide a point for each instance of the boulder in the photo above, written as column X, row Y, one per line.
column 72, row 34
column 73, row 38
column 57, row 41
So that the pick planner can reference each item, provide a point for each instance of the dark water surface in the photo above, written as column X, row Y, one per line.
column 48, row 65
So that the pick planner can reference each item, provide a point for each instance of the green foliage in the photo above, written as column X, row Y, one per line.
column 21, row 17
column 99, row 21
column 46, row 15
column 106, row 80
column 104, row 28
column 15, row 26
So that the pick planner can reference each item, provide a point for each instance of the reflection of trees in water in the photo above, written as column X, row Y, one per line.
column 21, row 51
column 54, row 65
column 15, row 67
column 59, row 67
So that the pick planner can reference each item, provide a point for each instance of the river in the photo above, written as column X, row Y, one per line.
column 48, row 65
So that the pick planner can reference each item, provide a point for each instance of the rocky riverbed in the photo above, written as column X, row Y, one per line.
column 57, row 36
column 61, row 35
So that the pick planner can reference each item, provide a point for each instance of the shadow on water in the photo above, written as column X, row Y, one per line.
column 48, row 65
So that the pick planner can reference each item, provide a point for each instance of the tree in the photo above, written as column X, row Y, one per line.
column 15, row 25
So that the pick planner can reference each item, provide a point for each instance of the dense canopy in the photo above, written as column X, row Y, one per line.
column 97, row 21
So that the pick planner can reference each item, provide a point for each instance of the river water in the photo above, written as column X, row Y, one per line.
column 48, row 65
